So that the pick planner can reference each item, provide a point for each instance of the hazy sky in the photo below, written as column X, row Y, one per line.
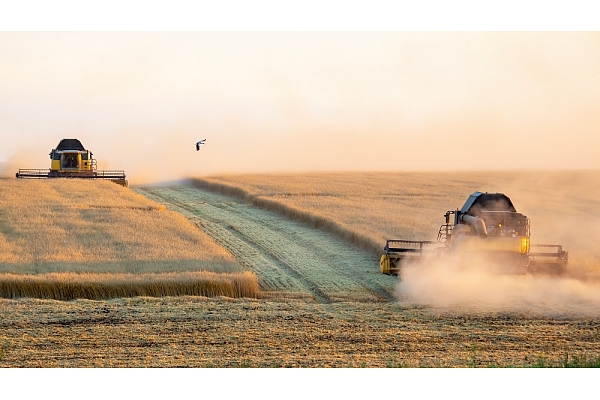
column 302, row 101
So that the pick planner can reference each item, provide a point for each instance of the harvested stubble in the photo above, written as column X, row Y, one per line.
column 321, row 219
column 70, row 286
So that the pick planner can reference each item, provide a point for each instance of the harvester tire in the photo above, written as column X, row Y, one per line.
column 385, row 265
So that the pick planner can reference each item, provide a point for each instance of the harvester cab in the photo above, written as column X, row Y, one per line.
column 71, row 160
column 70, row 155
column 488, row 223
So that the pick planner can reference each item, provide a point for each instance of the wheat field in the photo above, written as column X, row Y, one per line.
column 59, row 225
column 189, row 329
column 368, row 208
column 102, row 286
column 64, row 239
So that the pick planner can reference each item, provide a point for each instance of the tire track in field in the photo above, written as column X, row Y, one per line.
column 246, row 255
column 287, row 256
column 263, row 264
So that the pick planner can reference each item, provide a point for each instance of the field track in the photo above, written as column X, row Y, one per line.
column 290, row 259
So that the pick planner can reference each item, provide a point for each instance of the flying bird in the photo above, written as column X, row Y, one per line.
column 199, row 143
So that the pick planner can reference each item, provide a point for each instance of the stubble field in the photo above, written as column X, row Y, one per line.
column 312, row 242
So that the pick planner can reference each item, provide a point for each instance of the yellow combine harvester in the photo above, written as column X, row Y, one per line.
column 71, row 160
column 488, row 224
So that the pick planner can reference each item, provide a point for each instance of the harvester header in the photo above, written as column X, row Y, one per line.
column 71, row 160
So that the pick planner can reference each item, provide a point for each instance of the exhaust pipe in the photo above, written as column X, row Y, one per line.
column 478, row 223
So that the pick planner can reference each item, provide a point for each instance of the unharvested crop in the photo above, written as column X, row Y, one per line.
column 70, row 286
column 67, row 239
column 368, row 208
column 66, row 225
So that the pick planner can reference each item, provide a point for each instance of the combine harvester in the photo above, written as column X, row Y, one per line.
column 488, row 224
column 71, row 160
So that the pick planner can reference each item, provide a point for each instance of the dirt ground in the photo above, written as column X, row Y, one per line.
column 220, row 332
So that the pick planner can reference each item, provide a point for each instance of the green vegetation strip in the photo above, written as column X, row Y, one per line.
column 70, row 286
column 570, row 361
column 296, row 214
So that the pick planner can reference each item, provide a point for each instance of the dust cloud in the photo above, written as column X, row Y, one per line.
column 563, row 209
column 474, row 286
column 27, row 158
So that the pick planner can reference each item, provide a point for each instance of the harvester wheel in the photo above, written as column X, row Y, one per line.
column 385, row 265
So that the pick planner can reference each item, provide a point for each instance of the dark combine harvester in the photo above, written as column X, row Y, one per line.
column 71, row 160
column 488, row 223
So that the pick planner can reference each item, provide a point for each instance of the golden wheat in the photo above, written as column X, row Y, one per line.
column 70, row 286
column 368, row 208
column 80, row 225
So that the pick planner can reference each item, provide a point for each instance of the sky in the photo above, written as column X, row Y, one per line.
column 303, row 100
